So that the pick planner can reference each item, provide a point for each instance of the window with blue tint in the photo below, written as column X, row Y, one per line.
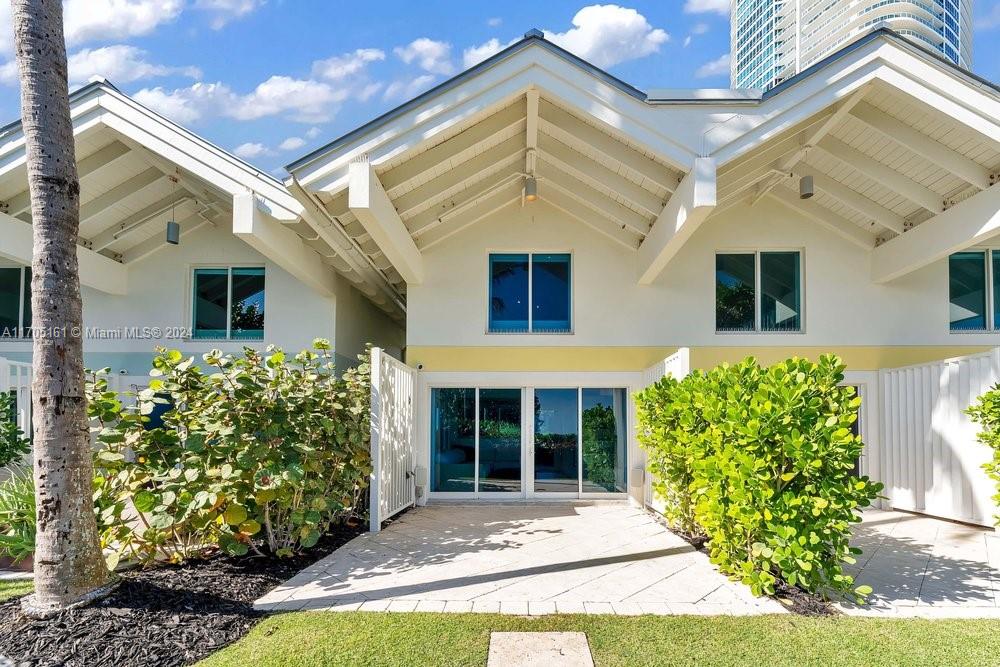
column 780, row 291
column 758, row 291
column 509, row 293
column 604, row 439
column 499, row 440
column 453, row 439
column 530, row 293
column 967, row 291
column 734, row 291
column 211, row 303
column 229, row 303
column 556, row 431
column 550, row 293
column 15, row 302
column 247, row 315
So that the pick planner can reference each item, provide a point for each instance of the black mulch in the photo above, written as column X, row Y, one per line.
column 165, row 616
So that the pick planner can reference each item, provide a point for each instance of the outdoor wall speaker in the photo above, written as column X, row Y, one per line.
column 420, row 476
column 806, row 189
column 173, row 233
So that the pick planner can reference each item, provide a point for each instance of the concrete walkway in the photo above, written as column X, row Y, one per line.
column 597, row 558
column 926, row 567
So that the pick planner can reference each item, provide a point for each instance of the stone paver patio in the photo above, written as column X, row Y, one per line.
column 599, row 557
column 921, row 566
column 610, row 558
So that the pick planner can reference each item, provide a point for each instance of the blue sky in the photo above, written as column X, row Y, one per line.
column 271, row 79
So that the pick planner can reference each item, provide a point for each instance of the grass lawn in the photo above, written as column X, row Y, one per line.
column 13, row 589
column 340, row 638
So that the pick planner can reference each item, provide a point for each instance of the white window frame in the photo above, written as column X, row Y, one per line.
column 537, row 380
column 229, row 299
column 531, row 281
column 989, row 291
column 757, row 331
column 21, row 304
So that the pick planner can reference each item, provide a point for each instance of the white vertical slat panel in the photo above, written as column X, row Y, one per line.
column 392, row 414
column 677, row 365
column 933, row 462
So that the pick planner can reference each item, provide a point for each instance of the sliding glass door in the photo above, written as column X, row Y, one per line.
column 577, row 441
column 476, row 440
column 580, row 440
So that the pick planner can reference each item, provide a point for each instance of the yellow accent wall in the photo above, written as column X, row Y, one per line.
column 493, row 358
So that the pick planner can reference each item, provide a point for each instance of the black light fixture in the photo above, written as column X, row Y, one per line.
column 806, row 188
column 530, row 188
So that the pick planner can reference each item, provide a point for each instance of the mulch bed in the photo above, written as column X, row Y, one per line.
column 164, row 616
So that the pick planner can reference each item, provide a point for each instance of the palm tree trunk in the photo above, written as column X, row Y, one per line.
column 69, row 566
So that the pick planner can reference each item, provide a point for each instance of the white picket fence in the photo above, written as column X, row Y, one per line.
column 392, row 414
column 15, row 378
column 677, row 365
column 929, row 458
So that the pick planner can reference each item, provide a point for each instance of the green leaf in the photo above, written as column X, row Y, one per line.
column 235, row 515
column 144, row 501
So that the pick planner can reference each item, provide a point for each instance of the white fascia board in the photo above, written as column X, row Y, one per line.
column 369, row 203
column 965, row 224
column 935, row 86
column 13, row 155
column 254, row 224
column 500, row 85
column 195, row 155
column 96, row 270
column 687, row 208
column 776, row 115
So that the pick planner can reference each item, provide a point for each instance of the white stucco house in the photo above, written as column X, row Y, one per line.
column 552, row 239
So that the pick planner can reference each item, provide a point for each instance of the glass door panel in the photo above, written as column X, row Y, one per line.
column 453, row 440
column 604, row 440
column 499, row 440
column 556, row 451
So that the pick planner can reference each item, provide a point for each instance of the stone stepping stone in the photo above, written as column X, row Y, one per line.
column 539, row 649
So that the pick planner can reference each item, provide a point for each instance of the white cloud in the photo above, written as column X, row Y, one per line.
column 477, row 54
column 250, row 150
column 699, row 29
column 186, row 105
column 716, row 67
column 720, row 7
column 121, row 64
column 292, row 143
column 687, row 41
column 301, row 100
column 494, row 22
column 609, row 34
column 346, row 65
column 224, row 11
column 407, row 88
column 989, row 20
column 430, row 55
column 313, row 132
column 104, row 20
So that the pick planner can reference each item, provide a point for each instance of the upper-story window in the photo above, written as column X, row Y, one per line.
column 15, row 302
column 974, row 290
column 530, row 293
column 229, row 303
column 758, row 291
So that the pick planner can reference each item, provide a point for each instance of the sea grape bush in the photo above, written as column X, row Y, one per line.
column 760, row 461
column 13, row 444
column 986, row 412
column 257, row 453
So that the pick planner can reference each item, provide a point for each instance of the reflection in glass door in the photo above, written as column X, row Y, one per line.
column 556, row 439
column 604, row 440
column 499, row 440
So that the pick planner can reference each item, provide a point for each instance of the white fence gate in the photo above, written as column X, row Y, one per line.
column 929, row 458
column 392, row 414
column 15, row 380
column 677, row 365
